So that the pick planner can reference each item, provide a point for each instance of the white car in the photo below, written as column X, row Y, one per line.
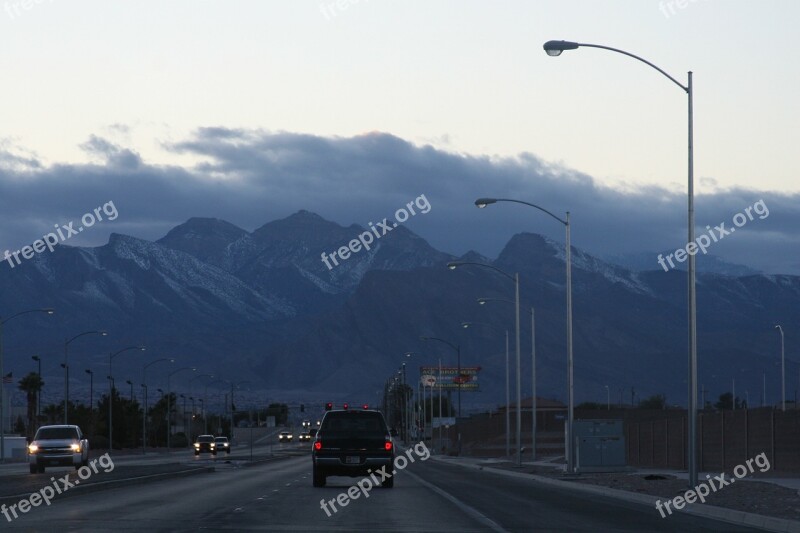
column 285, row 436
column 58, row 446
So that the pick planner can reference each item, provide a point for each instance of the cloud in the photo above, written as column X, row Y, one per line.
column 250, row 177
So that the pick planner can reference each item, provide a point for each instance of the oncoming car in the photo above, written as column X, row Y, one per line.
column 58, row 446
column 285, row 436
column 222, row 444
column 352, row 443
column 304, row 437
column 205, row 443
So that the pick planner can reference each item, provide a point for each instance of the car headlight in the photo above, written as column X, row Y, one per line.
column 196, row 445
column 32, row 448
column 212, row 444
column 75, row 447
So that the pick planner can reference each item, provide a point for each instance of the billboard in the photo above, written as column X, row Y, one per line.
column 450, row 378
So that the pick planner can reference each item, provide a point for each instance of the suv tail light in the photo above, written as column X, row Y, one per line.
column 345, row 406
column 318, row 445
column 388, row 445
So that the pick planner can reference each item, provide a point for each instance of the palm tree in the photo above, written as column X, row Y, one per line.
column 31, row 385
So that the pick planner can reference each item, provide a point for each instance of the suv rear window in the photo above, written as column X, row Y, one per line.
column 56, row 434
column 354, row 423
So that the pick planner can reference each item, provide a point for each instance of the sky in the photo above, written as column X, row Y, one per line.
column 252, row 110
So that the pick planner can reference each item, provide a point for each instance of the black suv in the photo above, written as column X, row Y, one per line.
column 352, row 443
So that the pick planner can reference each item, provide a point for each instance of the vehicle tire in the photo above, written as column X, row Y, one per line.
column 34, row 469
column 388, row 483
column 319, row 478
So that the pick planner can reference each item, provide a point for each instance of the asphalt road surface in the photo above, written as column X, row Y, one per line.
column 278, row 496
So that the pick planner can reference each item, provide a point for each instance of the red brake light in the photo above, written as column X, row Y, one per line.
column 328, row 406
column 318, row 445
column 388, row 446
column 365, row 406
column 345, row 406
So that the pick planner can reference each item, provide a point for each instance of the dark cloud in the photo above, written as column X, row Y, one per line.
column 250, row 177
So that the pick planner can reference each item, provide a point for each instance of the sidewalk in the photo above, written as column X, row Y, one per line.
column 769, row 503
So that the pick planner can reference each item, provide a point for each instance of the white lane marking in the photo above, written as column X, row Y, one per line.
column 471, row 511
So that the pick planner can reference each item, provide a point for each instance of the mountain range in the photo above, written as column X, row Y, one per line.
column 262, row 306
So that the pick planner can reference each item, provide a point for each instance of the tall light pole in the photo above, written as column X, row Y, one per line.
column 205, row 398
column 783, row 372
column 533, row 385
column 482, row 203
column 169, row 403
column 144, row 385
column 457, row 348
column 2, row 379
column 91, row 397
column 466, row 325
column 144, row 415
column 554, row 48
column 235, row 386
column 515, row 278
column 111, row 357
column 608, row 398
column 38, row 392
column 66, row 367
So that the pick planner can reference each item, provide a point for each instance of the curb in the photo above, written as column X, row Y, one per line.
column 731, row 516
column 102, row 485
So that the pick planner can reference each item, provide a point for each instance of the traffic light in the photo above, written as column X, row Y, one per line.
column 328, row 406
column 302, row 408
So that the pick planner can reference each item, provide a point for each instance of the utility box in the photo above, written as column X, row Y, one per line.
column 599, row 445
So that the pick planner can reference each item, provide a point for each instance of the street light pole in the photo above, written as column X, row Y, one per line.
column 38, row 392
column 111, row 357
column 533, row 386
column 783, row 372
column 66, row 368
column 144, row 412
column 2, row 380
column 555, row 48
column 91, row 397
column 169, row 404
column 515, row 278
column 457, row 348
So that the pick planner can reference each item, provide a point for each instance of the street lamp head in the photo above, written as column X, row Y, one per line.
column 554, row 48
column 452, row 266
column 423, row 338
column 103, row 333
column 49, row 310
column 35, row 357
column 465, row 325
column 481, row 301
column 89, row 372
column 483, row 202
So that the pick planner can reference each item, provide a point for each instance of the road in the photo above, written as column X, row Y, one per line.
column 278, row 496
